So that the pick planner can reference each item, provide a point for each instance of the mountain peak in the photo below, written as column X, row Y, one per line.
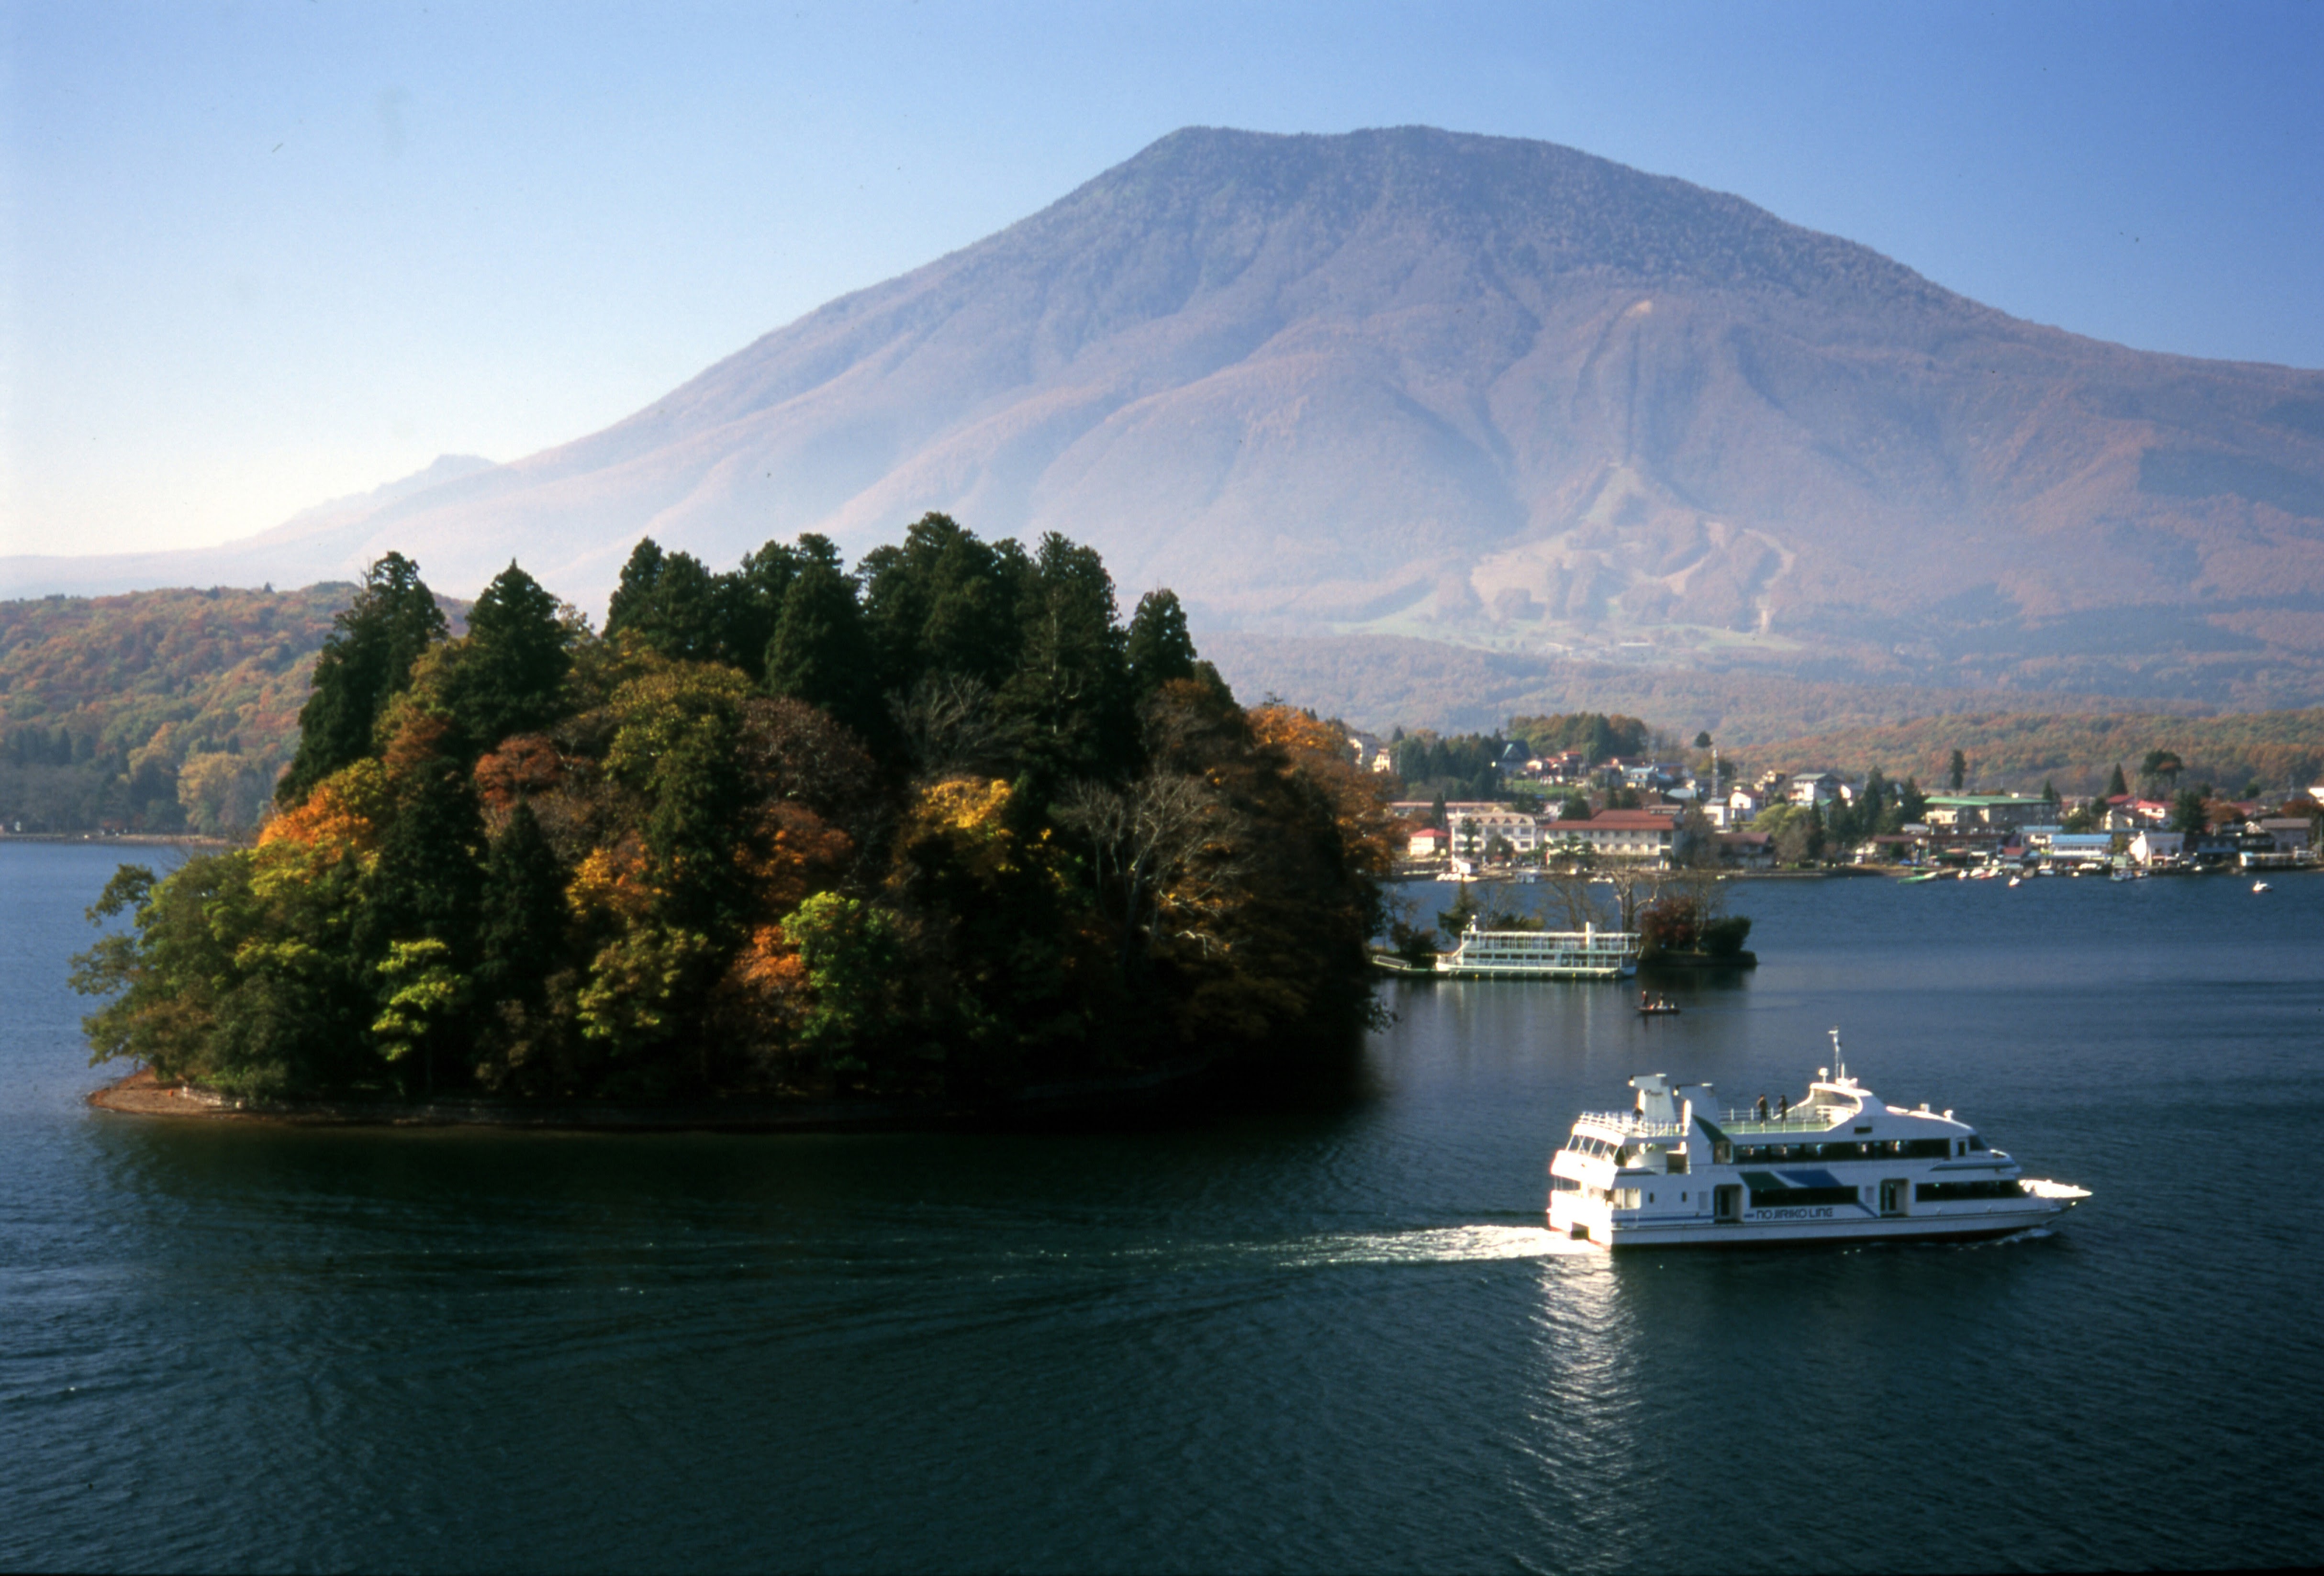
column 1499, row 392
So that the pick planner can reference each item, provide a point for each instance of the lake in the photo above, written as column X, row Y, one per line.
column 1330, row 1335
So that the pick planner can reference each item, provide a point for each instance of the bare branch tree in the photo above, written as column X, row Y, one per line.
column 1159, row 851
column 949, row 724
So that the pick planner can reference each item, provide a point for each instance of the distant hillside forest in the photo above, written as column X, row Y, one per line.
column 167, row 711
column 2251, row 754
column 1473, row 766
column 935, row 826
column 1384, row 681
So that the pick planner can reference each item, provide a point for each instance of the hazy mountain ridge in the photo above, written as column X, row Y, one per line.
column 1494, row 392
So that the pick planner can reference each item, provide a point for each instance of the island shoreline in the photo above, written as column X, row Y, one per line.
column 1157, row 1093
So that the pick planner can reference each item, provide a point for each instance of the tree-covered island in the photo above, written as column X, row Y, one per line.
column 939, row 826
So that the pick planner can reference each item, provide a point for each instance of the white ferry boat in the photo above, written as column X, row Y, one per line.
column 1838, row 1167
column 1588, row 953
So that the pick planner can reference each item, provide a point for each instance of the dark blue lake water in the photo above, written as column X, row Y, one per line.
column 1333, row 1337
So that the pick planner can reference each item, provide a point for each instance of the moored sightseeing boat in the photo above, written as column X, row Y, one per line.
column 1838, row 1167
column 1588, row 953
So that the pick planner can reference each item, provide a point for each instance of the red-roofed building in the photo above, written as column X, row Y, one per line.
column 1626, row 834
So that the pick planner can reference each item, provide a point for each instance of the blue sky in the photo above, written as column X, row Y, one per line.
column 253, row 255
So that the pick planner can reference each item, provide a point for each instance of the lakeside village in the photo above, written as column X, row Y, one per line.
column 1565, row 810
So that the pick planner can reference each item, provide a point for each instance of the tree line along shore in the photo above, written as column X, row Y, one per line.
column 939, row 826
column 170, row 712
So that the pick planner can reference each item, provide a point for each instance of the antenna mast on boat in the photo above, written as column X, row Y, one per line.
column 1838, row 1062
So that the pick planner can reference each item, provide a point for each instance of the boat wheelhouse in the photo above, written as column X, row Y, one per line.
column 1588, row 953
column 1838, row 1167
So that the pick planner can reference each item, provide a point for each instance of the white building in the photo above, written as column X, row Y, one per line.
column 1740, row 807
column 1818, row 788
column 2152, row 846
column 1624, row 834
column 1475, row 833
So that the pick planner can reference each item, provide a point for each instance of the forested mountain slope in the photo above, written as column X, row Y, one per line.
column 2278, row 754
column 162, row 710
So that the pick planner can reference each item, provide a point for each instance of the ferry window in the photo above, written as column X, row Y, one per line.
column 1777, row 1197
column 1926, row 1148
column 1674, row 1163
column 1948, row 1191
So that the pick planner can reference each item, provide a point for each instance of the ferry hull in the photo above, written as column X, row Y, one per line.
column 1621, row 971
column 1705, row 1233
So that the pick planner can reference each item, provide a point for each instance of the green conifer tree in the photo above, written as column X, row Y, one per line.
column 1070, row 699
column 1159, row 648
column 521, row 914
column 634, row 595
column 822, row 652
column 507, row 675
column 366, row 663
column 670, row 603
column 751, row 603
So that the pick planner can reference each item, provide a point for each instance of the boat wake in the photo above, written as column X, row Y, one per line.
column 1442, row 1245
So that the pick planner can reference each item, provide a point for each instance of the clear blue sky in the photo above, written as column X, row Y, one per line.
column 253, row 255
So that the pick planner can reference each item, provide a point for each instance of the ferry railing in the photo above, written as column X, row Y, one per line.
column 1811, row 1119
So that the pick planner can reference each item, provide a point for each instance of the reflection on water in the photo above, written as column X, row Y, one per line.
column 1330, row 1332
column 1445, row 1245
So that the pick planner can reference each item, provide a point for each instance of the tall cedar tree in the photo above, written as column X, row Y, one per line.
column 366, row 663
column 1159, row 647
column 428, row 880
column 506, row 676
column 521, row 918
column 1070, row 698
column 670, row 603
column 750, row 603
column 943, row 602
column 822, row 652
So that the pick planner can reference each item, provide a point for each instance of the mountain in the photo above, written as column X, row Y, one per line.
column 1494, row 393
column 315, row 545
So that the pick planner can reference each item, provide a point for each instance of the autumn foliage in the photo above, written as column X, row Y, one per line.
column 935, row 827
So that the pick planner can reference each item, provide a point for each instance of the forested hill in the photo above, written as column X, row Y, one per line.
column 165, row 711
column 2280, row 751
column 932, row 827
